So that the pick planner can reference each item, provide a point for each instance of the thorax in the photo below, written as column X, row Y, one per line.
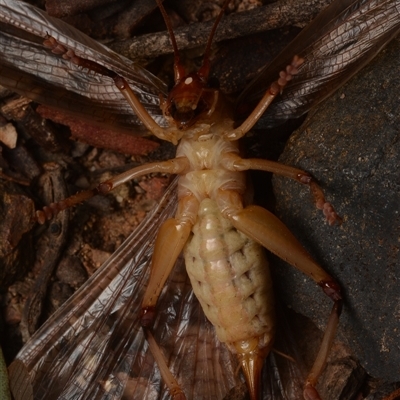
column 205, row 146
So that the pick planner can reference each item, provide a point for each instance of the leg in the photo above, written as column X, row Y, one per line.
column 174, row 166
column 266, row 229
column 394, row 395
column 275, row 88
column 68, row 54
column 169, row 379
column 171, row 238
column 236, row 163
column 310, row 392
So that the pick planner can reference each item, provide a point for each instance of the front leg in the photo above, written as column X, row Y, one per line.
column 274, row 89
column 266, row 229
column 170, row 135
column 170, row 241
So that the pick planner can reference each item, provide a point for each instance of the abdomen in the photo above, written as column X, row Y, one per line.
column 230, row 277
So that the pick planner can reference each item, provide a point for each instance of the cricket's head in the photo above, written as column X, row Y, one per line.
column 191, row 98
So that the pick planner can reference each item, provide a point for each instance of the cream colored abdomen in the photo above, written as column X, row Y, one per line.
column 230, row 277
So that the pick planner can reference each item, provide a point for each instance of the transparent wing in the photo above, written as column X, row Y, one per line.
column 283, row 379
column 337, row 44
column 30, row 69
column 94, row 348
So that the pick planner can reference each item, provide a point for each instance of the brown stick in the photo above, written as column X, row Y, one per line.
column 277, row 15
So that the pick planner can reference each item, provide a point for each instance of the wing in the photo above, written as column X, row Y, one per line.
column 338, row 43
column 28, row 68
column 93, row 346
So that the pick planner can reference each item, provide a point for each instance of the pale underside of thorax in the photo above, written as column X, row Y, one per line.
column 205, row 152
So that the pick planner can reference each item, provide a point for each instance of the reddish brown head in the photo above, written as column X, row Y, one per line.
column 190, row 98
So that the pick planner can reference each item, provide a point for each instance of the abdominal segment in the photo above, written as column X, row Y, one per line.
column 230, row 277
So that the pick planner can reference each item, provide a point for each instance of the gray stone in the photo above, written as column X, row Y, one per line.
column 351, row 145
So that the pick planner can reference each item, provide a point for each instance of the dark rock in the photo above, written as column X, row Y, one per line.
column 388, row 391
column 351, row 145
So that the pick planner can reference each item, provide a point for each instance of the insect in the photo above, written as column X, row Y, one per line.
column 58, row 328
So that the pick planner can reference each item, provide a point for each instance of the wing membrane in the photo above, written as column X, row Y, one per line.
column 337, row 44
column 94, row 348
column 32, row 70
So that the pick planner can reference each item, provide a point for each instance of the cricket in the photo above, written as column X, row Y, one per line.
column 110, row 340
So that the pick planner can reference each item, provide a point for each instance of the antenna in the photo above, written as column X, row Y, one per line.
column 205, row 68
column 178, row 68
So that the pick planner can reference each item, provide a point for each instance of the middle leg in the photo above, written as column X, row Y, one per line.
column 233, row 162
